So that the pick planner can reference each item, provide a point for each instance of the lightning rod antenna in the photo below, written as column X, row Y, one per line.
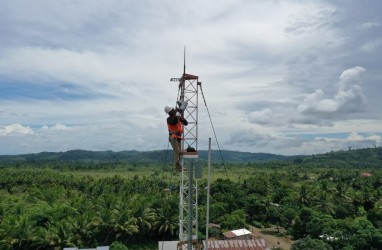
column 184, row 61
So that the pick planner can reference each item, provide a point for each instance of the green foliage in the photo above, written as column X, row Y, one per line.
column 50, row 205
column 53, row 210
column 363, row 235
column 311, row 244
column 116, row 245
column 234, row 220
column 257, row 224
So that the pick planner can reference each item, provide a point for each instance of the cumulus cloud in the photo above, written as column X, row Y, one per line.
column 354, row 137
column 317, row 107
column 356, row 140
column 276, row 116
column 261, row 117
column 351, row 77
column 15, row 129
column 348, row 99
column 351, row 100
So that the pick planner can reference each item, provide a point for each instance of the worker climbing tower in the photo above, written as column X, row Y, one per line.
column 188, row 203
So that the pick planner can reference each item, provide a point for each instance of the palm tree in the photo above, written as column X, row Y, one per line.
column 303, row 199
column 125, row 222
column 324, row 203
column 127, row 229
column 84, row 228
column 23, row 233
column 146, row 218
column 166, row 224
column 60, row 234
column 105, row 221
column 341, row 193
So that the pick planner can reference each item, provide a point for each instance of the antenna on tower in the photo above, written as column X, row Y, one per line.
column 184, row 61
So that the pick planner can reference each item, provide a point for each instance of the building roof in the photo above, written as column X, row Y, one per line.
column 214, row 225
column 250, row 244
column 254, row 243
column 168, row 245
column 237, row 233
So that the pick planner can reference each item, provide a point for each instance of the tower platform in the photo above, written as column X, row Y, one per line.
column 186, row 154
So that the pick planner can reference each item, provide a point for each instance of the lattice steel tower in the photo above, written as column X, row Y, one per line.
column 188, row 202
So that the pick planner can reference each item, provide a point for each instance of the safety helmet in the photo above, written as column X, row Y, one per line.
column 167, row 109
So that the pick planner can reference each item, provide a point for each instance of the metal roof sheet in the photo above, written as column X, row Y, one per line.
column 241, row 232
column 252, row 244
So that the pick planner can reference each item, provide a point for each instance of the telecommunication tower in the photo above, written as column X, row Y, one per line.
column 188, row 202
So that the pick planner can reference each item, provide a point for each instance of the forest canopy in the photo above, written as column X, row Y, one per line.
column 332, row 199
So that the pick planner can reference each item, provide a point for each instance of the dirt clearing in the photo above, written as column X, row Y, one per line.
column 273, row 241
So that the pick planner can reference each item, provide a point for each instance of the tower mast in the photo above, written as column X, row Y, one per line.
column 188, row 203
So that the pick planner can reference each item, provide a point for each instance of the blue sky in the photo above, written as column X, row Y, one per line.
column 286, row 77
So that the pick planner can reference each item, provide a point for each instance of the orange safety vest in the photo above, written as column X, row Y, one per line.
column 175, row 131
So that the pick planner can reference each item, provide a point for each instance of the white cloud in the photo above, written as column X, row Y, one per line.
column 354, row 136
column 348, row 99
column 96, row 75
column 356, row 140
column 316, row 108
column 15, row 129
column 351, row 77
column 311, row 101
column 57, row 127
column 276, row 116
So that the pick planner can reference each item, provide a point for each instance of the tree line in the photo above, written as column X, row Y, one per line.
column 130, row 156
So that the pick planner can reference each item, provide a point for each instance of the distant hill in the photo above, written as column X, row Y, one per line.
column 360, row 158
column 157, row 156
column 367, row 157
